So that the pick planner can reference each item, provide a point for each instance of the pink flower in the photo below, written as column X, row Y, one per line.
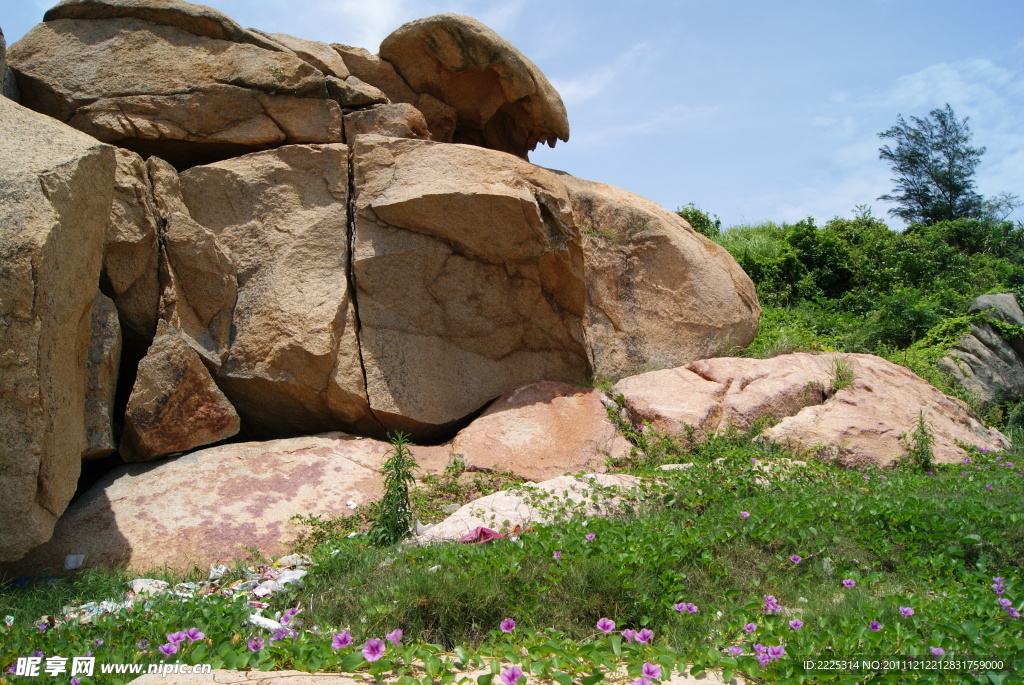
column 644, row 636
column 651, row 671
column 255, row 644
column 606, row 625
column 194, row 634
column 394, row 636
column 557, row 555
column 907, row 612
column 176, row 638
column 796, row 624
column 511, row 675
column 685, row 606
column 735, row 651
column 373, row 649
column 169, row 648
column 628, row 634
column 591, row 536
column 849, row 582
column 750, row 627
column 744, row 515
column 796, row 558
column 874, row 626
column 508, row 625
column 341, row 640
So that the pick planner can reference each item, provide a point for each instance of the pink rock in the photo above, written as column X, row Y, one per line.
column 858, row 424
column 200, row 509
column 540, row 431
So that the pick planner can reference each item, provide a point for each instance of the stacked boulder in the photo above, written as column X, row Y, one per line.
column 985, row 363
column 210, row 232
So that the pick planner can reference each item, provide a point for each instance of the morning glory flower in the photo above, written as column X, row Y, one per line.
column 641, row 681
column 750, row 627
column 907, row 612
column 685, row 606
column 508, row 625
column 628, row 634
column 511, row 675
column 1003, row 602
column 142, row 644
column 1012, row 612
column 606, row 625
column 776, row 652
column 651, row 671
column 770, row 605
column 341, row 640
column 937, row 651
column 176, row 638
column 394, row 636
column 194, row 634
column 644, row 636
column 255, row 644
column 744, row 515
column 97, row 642
column 796, row 558
column 373, row 649
column 796, row 624
column 763, row 659
column 849, row 582
column 735, row 651
column 874, row 626
column 169, row 648
column 591, row 536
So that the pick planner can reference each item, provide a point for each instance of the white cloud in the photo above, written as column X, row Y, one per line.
column 583, row 87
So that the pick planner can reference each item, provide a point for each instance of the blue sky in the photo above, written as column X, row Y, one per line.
column 753, row 110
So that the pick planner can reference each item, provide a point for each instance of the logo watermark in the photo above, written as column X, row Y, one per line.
column 36, row 666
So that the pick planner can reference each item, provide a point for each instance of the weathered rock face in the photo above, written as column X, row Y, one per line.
column 200, row 509
column 159, row 89
column 55, row 193
column 467, row 285
column 658, row 293
column 502, row 99
column 175, row 406
column 8, row 86
column 983, row 362
column 103, row 363
column 541, row 431
column 862, row 423
column 396, row 120
column 473, row 278
column 293, row 366
column 131, row 250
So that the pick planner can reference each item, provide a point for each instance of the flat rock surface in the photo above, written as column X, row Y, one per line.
column 202, row 508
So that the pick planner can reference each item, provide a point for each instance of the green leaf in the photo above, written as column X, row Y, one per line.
column 970, row 630
column 485, row 679
column 351, row 662
column 563, row 678
column 592, row 679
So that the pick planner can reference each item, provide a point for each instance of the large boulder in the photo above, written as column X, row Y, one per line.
column 103, row 365
column 501, row 98
column 157, row 88
column 209, row 506
column 985, row 362
column 856, row 409
column 56, row 186
column 539, row 431
column 293, row 366
column 473, row 277
column 175, row 406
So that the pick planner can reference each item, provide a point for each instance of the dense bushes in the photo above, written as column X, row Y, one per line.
column 855, row 285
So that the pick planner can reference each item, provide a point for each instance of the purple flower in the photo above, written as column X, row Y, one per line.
column 341, row 640
column 735, row 651
column 931, row 473
column 796, row 624
column 965, row 461
column 937, row 651
column 169, row 648
column 760, row 649
column 882, row 478
column 142, row 644
column 176, row 638
column 373, row 649
column 849, row 582
column 651, row 671
column 1012, row 612
column 255, row 644
column 511, row 676
column 907, row 612
column 776, row 652
column 642, row 681
column 874, row 626
column 1003, row 602
column 288, row 615
column 866, row 477
column 194, row 634
column 796, row 558
column 963, row 473
column 770, row 605
column 394, row 636
column 750, row 627
column 628, row 634
column 557, row 555
column 988, row 487
column 763, row 659
column 38, row 654
column 590, row 536
column 685, row 606
column 97, row 642
column 744, row 515
column 983, row 449
column 644, row 636
column 42, row 627
column 508, row 625
column 606, row 625
column 75, row 681
column 281, row 633
column 12, row 669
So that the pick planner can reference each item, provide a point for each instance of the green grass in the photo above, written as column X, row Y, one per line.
column 908, row 539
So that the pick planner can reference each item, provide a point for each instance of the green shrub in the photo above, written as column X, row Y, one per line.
column 394, row 512
column 701, row 221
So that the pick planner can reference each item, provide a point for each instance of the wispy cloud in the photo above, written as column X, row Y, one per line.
column 582, row 87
